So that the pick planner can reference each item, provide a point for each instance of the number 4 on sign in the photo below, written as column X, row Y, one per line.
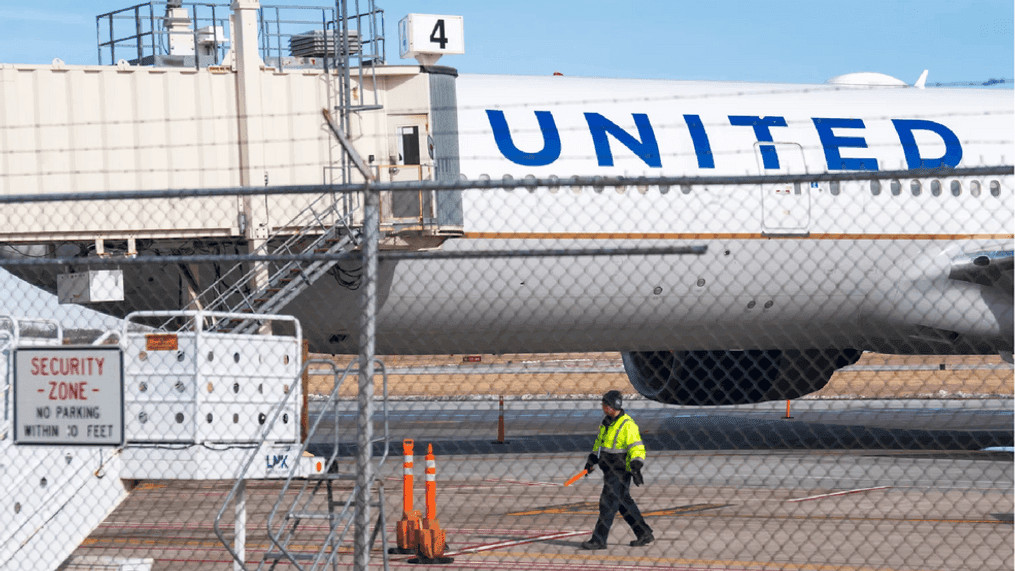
column 437, row 35
column 427, row 37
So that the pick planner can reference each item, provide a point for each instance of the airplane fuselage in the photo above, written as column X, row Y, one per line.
column 861, row 263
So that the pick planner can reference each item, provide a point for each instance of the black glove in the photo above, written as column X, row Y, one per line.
column 636, row 472
column 590, row 464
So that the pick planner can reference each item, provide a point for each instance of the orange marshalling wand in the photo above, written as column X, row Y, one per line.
column 575, row 477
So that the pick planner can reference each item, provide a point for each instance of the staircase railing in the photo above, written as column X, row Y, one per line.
column 281, row 534
column 284, row 531
column 231, row 292
column 245, row 469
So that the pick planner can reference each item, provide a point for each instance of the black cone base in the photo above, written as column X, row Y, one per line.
column 420, row 560
column 400, row 550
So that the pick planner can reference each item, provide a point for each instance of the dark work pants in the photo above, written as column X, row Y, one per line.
column 617, row 496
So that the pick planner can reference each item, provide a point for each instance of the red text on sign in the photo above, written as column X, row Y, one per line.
column 67, row 391
column 67, row 366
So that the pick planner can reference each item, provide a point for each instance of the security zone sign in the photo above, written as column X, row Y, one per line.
column 68, row 396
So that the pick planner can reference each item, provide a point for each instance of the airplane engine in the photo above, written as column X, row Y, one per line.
column 711, row 378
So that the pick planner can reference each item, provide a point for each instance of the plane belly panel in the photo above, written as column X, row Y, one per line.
column 728, row 297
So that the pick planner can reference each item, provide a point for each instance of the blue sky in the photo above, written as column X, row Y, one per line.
column 792, row 40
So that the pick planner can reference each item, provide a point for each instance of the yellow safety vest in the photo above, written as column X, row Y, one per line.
column 621, row 437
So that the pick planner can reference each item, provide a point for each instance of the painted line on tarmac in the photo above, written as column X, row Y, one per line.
column 603, row 560
column 842, row 493
column 521, row 482
column 514, row 542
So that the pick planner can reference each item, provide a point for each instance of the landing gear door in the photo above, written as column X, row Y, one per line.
column 410, row 160
column 786, row 206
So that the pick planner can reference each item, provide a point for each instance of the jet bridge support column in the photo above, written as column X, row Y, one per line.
column 249, row 107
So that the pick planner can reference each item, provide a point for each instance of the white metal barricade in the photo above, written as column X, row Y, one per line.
column 198, row 401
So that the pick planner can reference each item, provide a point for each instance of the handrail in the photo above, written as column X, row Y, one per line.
column 101, row 339
column 310, row 432
column 6, row 342
column 10, row 337
column 200, row 315
column 18, row 323
column 299, row 220
column 333, row 458
column 268, row 425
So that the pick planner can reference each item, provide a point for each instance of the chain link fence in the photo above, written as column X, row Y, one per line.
column 814, row 364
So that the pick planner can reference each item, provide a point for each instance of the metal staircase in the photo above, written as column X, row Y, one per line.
column 324, row 228
column 314, row 498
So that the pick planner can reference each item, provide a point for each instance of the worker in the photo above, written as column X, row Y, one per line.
column 621, row 456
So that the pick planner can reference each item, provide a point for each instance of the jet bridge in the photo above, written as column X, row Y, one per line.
column 234, row 117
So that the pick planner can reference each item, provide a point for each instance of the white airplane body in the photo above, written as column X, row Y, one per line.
column 804, row 275
column 796, row 278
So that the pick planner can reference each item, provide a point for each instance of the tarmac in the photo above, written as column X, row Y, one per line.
column 842, row 485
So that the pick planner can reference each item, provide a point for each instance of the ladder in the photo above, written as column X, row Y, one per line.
column 289, row 514
column 282, row 281
column 314, row 498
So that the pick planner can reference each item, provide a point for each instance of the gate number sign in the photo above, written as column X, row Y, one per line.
column 430, row 34
column 68, row 396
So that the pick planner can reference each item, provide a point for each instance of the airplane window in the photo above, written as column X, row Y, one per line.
column 995, row 188
column 833, row 187
column 974, row 189
column 642, row 189
column 956, row 187
column 915, row 187
column 935, row 187
column 664, row 189
column 875, row 187
column 685, row 188
column 896, row 188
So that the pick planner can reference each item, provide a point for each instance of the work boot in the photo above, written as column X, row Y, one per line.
column 592, row 544
column 643, row 540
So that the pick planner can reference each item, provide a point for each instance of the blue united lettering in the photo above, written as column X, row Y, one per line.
column 842, row 140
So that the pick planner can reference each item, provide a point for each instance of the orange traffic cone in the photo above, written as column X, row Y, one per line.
column 432, row 540
column 407, row 529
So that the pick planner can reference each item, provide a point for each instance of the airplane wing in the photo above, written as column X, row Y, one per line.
column 991, row 268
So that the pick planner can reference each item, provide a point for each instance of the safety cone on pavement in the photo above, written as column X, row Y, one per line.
column 432, row 540
column 407, row 528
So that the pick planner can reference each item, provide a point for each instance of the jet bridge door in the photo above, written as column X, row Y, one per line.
column 786, row 206
column 410, row 159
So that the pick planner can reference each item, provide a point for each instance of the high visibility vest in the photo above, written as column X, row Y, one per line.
column 621, row 437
